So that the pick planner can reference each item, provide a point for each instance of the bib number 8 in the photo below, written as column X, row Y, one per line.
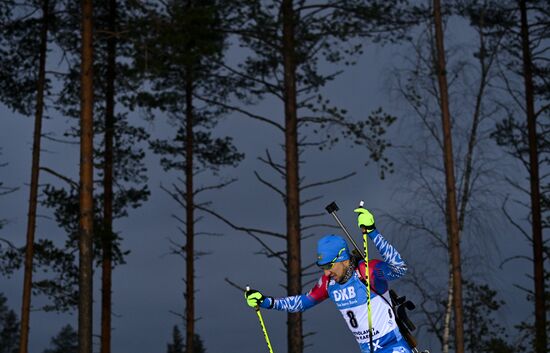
column 352, row 319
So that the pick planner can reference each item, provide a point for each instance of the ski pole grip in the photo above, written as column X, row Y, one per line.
column 247, row 288
column 361, row 203
column 332, row 207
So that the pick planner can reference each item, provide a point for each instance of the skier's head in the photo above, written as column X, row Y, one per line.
column 333, row 256
column 331, row 249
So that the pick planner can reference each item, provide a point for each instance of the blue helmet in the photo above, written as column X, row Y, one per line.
column 332, row 248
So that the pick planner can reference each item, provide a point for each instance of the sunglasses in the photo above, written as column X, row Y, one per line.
column 329, row 265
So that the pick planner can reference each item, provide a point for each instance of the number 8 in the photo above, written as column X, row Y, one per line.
column 352, row 319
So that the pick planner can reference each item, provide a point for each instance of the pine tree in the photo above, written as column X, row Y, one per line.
column 185, row 44
column 177, row 342
column 24, row 88
column 86, row 183
column 4, row 190
column 119, row 177
column 482, row 329
column 522, row 132
column 199, row 345
column 177, row 345
column 9, row 328
column 66, row 341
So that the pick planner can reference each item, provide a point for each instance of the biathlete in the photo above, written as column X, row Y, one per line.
column 344, row 282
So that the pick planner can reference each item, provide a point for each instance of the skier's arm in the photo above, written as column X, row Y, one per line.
column 393, row 265
column 299, row 303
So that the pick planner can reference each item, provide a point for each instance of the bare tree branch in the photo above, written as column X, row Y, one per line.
column 330, row 181
column 247, row 230
column 242, row 111
column 71, row 182
column 269, row 185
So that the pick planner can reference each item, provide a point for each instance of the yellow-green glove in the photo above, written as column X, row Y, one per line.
column 365, row 220
column 256, row 299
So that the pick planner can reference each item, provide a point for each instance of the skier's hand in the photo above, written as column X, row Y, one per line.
column 255, row 299
column 365, row 220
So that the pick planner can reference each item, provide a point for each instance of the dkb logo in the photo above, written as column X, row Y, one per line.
column 344, row 294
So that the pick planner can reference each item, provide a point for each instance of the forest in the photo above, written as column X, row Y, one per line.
column 159, row 156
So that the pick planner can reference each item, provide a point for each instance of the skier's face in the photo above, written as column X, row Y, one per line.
column 338, row 270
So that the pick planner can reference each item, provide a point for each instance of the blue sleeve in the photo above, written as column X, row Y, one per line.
column 292, row 304
column 393, row 266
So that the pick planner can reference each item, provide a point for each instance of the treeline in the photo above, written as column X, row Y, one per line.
column 66, row 341
column 108, row 66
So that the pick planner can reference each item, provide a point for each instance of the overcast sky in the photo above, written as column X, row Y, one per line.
column 149, row 287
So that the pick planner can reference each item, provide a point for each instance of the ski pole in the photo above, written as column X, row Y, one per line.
column 332, row 208
column 257, row 309
column 367, row 271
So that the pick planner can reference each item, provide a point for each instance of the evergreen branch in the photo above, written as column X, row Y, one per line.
column 313, row 86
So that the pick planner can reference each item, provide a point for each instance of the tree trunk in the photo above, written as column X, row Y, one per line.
column 540, row 309
column 451, row 208
column 448, row 312
column 86, row 183
column 468, row 169
column 190, row 225
column 107, row 234
column 294, row 282
column 31, row 220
